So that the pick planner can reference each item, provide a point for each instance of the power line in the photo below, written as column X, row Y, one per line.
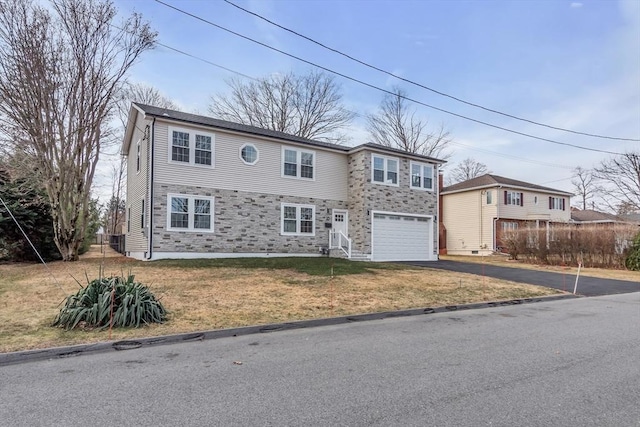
column 490, row 152
column 509, row 156
column 389, row 73
column 379, row 88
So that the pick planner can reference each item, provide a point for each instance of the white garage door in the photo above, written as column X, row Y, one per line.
column 401, row 238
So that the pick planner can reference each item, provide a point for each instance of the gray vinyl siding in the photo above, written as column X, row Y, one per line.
column 229, row 172
column 137, row 188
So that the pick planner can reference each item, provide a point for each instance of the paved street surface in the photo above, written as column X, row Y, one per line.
column 559, row 363
column 588, row 286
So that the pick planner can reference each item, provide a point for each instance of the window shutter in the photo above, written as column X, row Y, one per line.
column 550, row 202
column 505, row 197
column 563, row 203
column 521, row 199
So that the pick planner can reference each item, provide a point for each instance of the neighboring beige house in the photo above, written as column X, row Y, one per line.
column 200, row 187
column 476, row 212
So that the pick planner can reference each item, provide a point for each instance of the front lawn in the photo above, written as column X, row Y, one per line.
column 213, row 294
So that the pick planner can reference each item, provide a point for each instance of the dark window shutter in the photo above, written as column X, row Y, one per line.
column 550, row 202
column 521, row 199
column 505, row 197
column 562, row 203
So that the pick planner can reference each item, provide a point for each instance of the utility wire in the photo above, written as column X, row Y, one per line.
column 379, row 88
column 32, row 246
column 355, row 113
column 509, row 156
column 389, row 73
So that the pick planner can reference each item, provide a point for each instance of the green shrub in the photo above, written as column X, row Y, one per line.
column 632, row 262
column 133, row 304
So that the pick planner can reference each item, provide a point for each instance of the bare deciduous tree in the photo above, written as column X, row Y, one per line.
column 584, row 184
column 60, row 71
column 620, row 177
column 396, row 126
column 142, row 93
column 465, row 170
column 309, row 106
column 130, row 92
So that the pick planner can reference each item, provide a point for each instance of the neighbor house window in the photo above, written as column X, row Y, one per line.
column 509, row 226
column 189, row 213
column 556, row 203
column 298, row 219
column 422, row 176
column 298, row 163
column 249, row 154
column 513, row 198
column 489, row 197
column 384, row 170
column 190, row 146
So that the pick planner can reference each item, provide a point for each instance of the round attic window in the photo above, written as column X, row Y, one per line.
column 249, row 154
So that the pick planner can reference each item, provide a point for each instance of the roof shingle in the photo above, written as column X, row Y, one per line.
column 490, row 180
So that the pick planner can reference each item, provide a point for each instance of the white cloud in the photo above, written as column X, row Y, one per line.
column 576, row 5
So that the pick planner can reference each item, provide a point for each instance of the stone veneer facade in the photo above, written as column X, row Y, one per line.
column 243, row 223
column 365, row 197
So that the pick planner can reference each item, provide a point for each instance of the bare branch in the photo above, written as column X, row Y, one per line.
column 309, row 106
column 620, row 178
column 465, row 170
column 59, row 75
column 396, row 126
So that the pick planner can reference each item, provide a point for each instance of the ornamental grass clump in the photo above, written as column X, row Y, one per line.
column 131, row 303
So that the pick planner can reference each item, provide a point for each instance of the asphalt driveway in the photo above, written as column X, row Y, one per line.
column 587, row 286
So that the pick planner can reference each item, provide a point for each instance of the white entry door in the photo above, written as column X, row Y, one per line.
column 341, row 221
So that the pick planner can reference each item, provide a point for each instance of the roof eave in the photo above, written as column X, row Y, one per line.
column 131, row 125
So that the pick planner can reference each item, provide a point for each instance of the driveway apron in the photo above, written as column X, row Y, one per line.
column 587, row 286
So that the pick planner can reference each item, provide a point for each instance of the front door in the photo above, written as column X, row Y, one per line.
column 341, row 221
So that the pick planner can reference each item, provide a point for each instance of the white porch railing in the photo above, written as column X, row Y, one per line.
column 338, row 240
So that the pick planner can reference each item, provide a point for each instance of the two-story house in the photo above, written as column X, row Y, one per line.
column 476, row 212
column 201, row 187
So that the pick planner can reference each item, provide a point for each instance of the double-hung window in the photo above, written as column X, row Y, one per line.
column 298, row 163
column 422, row 176
column 191, row 147
column 298, row 220
column 513, row 198
column 384, row 170
column 189, row 213
column 556, row 203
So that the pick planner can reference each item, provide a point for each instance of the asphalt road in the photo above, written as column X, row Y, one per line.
column 587, row 286
column 559, row 363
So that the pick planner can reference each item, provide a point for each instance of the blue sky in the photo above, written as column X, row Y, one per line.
column 569, row 64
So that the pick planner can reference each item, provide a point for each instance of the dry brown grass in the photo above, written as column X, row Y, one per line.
column 504, row 261
column 212, row 298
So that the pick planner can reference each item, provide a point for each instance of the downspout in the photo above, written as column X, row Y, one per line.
column 150, row 216
column 495, row 220
column 482, row 195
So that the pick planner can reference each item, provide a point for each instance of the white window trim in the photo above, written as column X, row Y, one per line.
column 191, row 213
column 257, row 155
column 422, row 165
column 557, row 203
column 514, row 195
column 192, row 146
column 298, row 219
column 299, row 152
column 386, row 170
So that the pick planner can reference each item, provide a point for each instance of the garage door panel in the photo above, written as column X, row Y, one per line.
column 401, row 238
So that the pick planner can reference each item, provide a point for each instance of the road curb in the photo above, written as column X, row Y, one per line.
column 82, row 349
